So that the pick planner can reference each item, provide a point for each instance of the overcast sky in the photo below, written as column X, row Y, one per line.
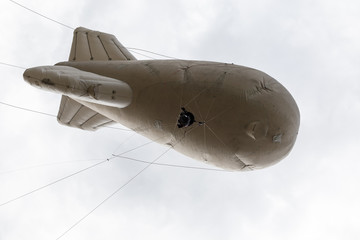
column 311, row 47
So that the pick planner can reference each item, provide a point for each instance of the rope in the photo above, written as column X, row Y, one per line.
column 51, row 115
column 112, row 194
column 27, row 109
column 52, row 183
column 172, row 165
column 41, row 15
column 72, row 28
column 12, row 65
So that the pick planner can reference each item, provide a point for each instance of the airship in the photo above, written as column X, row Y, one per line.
column 234, row 117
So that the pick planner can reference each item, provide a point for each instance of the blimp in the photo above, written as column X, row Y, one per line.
column 233, row 117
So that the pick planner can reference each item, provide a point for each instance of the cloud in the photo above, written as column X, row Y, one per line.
column 310, row 47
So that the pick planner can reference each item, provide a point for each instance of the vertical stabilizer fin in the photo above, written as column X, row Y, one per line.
column 91, row 45
column 74, row 114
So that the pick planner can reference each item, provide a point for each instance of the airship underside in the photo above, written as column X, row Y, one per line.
column 233, row 117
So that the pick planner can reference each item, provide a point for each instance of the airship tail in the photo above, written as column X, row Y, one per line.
column 78, row 87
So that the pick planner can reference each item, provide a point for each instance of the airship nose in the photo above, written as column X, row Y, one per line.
column 34, row 76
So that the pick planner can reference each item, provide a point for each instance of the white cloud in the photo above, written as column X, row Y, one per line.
column 309, row 46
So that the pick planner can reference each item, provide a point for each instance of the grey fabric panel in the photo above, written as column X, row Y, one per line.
column 68, row 109
column 74, row 114
column 97, row 121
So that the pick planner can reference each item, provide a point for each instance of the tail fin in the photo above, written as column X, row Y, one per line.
column 74, row 114
column 91, row 45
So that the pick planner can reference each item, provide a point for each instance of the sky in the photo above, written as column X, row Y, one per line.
column 311, row 47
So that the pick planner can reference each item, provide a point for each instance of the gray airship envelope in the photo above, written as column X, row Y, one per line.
column 234, row 117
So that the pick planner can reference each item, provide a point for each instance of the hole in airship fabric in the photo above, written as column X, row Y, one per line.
column 277, row 138
column 185, row 118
